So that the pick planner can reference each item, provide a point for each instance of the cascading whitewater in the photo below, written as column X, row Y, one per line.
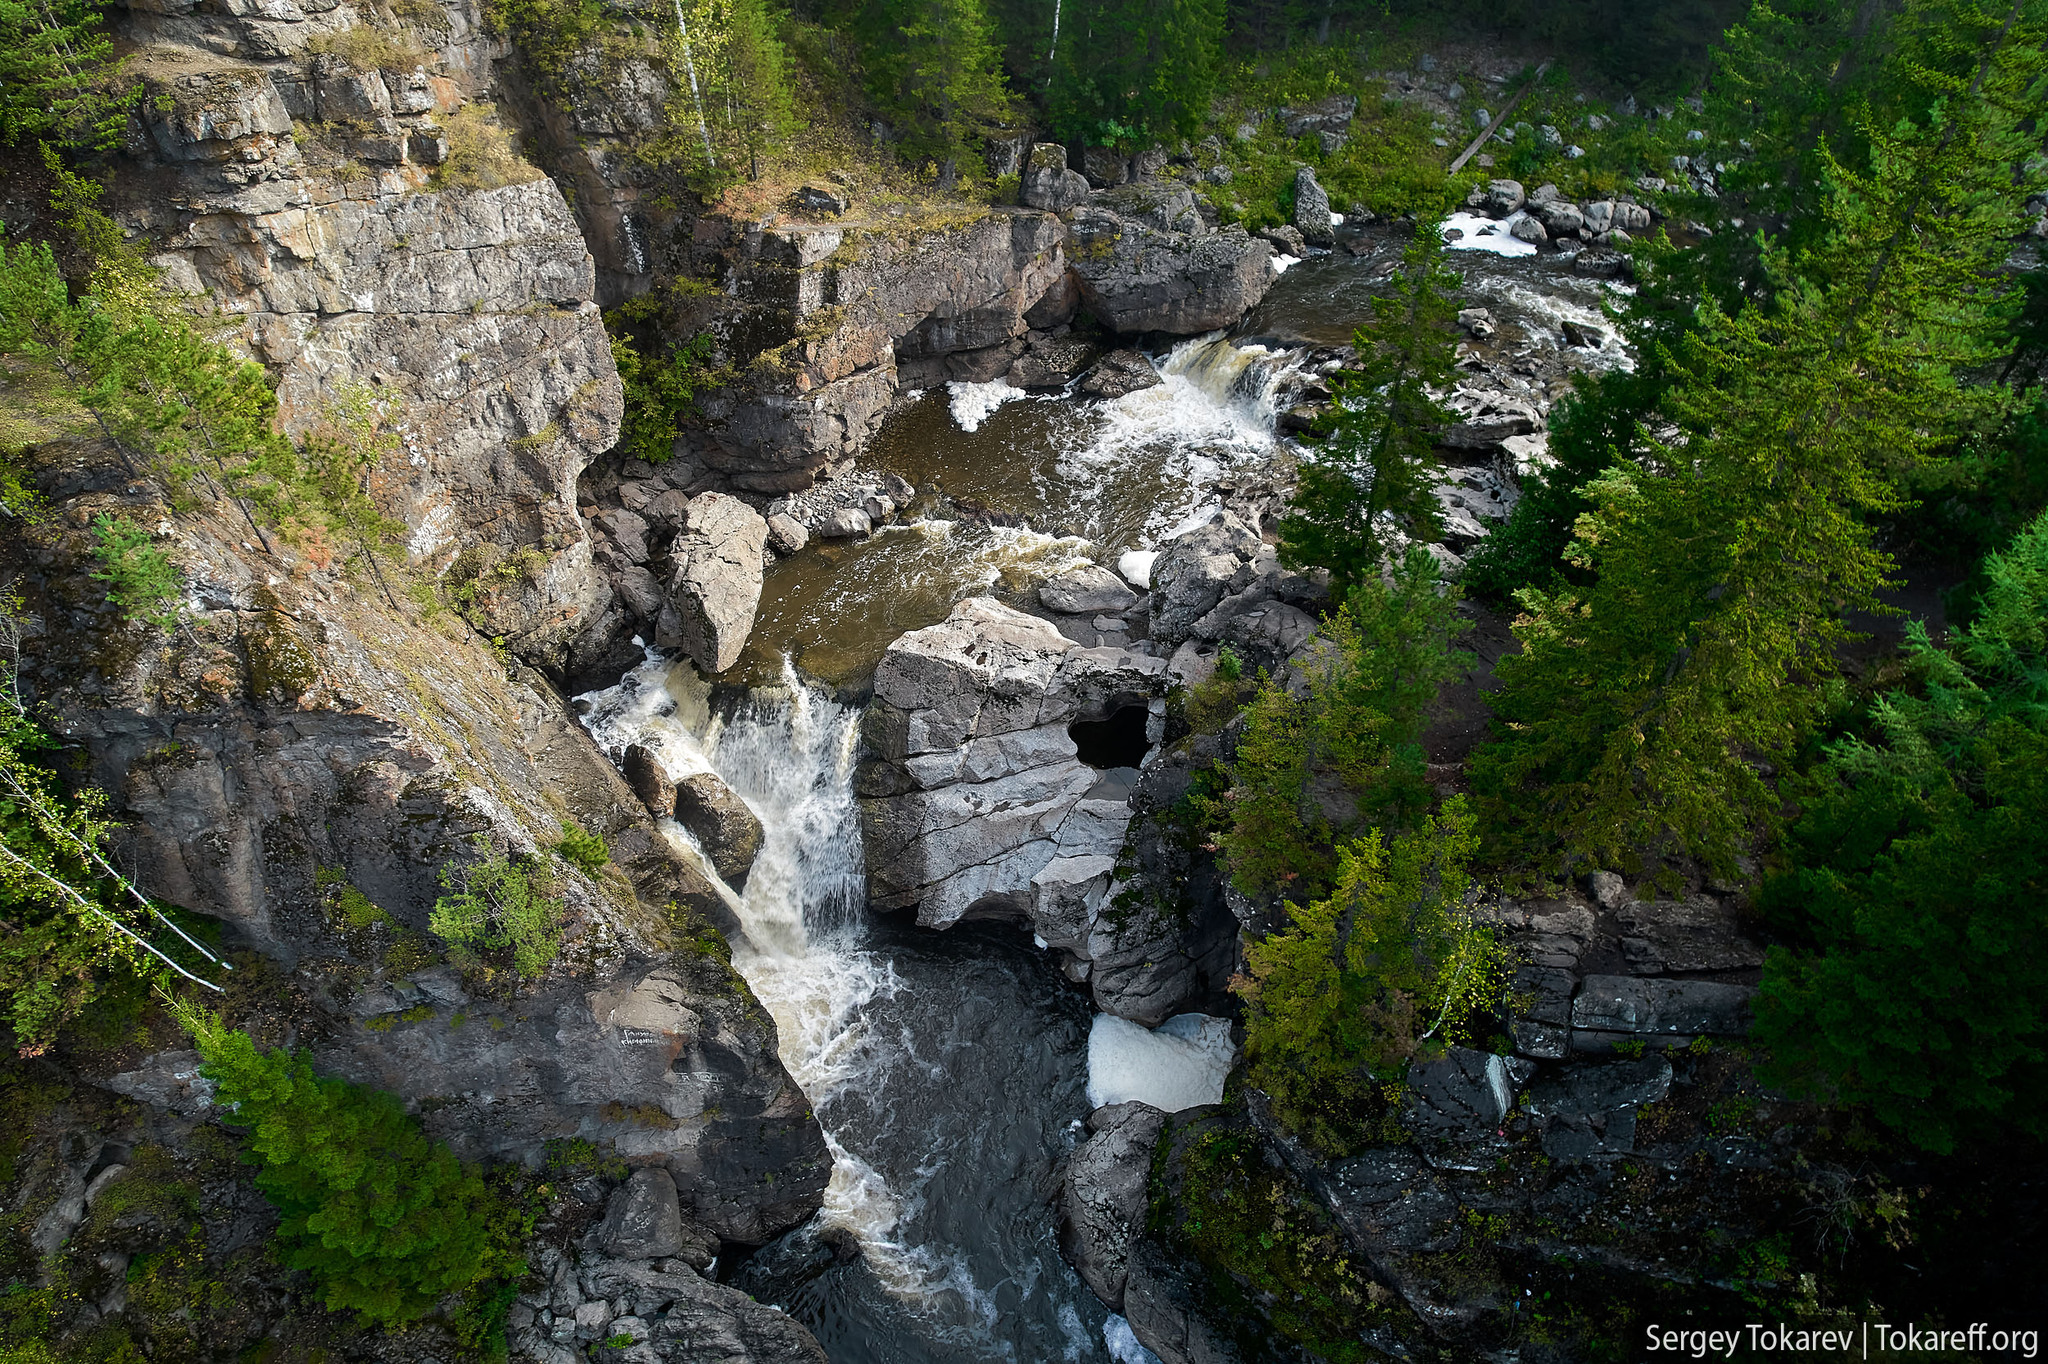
column 788, row 752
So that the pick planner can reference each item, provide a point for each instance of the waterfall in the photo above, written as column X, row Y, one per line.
column 789, row 752
column 690, row 65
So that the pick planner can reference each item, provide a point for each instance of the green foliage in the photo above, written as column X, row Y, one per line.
column 1381, row 431
column 1349, row 751
column 1917, row 871
column 1596, row 426
column 583, row 850
column 140, row 578
column 733, row 89
column 660, row 394
column 77, row 938
column 1340, row 1001
column 339, row 459
column 1133, row 72
column 388, row 1222
column 1255, row 1229
column 933, row 72
column 496, row 904
column 59, row 78
column 1639, row 716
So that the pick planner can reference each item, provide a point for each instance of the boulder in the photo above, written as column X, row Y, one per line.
column 1047, row 182
column 1192, row 574
column 1136, row 278
column 1051, row 364
column 1478, row 322
column 1501, row 198
column 844, row 524
column 974, row 786
column 724, row 827
column 643, row 1221
column 786, row 534
column 1105, row 167
column 644, row 773
column 1685, row 1008
column 1464, row 1093
column 823, row 201
column 1558, row 217
column 1104, row 1198
column 1086, row 591
column 1312, row 209
column 1286, row 239
column 1528, row 229
column 1119, row 373
column 716, row 587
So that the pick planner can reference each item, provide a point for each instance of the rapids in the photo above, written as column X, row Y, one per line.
column 951, row 1072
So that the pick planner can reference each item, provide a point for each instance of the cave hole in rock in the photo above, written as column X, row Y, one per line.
column 1117, row 740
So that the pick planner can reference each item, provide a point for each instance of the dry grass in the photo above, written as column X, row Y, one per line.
column 480, row 152
column 366, row 48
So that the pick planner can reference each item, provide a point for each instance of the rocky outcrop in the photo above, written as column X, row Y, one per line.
column 716, row 585
column 1138, row 278
column 659, row 1310
column 1088, row 590
column 304, row 192
column 864, row 314
column 724, row 827
column 1105, row 1195
column 977, row 800
column 1221, row 584
column 1120, row 373
column 1048, row 184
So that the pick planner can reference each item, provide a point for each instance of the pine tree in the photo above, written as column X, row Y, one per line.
column 1378, row 459
column 1358, row 982
column 1311, row 768
column 934, row 70
column 1645, row 709
column 1134, row 71
column 387, row 1221
column 58, row 75
column 1918, row 870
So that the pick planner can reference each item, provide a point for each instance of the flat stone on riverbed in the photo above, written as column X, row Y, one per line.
column 1085, row 591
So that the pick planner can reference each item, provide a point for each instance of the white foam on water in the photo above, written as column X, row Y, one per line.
column 971, row 404
column 1484, row 234
column 1124, row 1345
column 1280, row 262
column 1180, row 1064
column 788, row 752
column 1336, row 218
column 1211, row 411
column 1543, row 313
column 1136, row 566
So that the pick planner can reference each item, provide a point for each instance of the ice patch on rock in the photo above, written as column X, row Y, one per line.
column 1124, row 1345
column 1180, row 1064
column 1136, row 566
column 1476, row 233
column 972, row 403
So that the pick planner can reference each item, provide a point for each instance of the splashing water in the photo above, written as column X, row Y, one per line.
column 870, row 1046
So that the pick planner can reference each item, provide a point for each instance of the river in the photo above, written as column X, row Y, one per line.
column 950, row 1071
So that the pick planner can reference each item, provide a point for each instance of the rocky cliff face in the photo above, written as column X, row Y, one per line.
column 330, row 180
column 307, row 752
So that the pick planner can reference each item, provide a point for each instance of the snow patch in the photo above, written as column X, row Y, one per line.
column 972, row 403
column 1475, row 233
column 1136, row 566
column 1180, row 1064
